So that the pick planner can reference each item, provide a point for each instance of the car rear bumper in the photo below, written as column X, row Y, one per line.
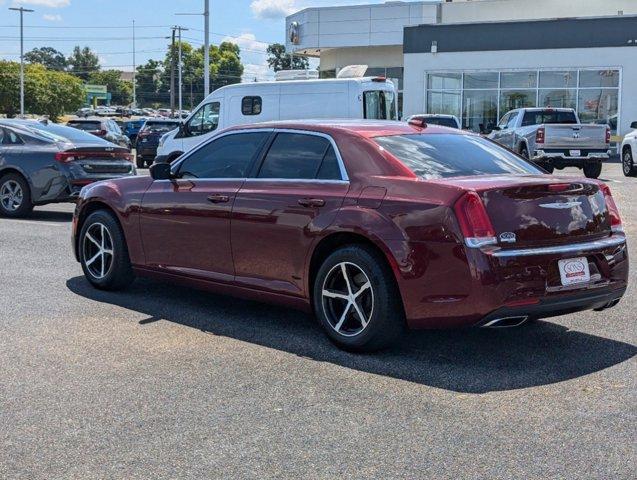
column 563, row 155
column 552, row 307
column 476, row 282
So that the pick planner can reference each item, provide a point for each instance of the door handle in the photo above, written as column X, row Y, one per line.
column 218, row 198
column 311, row 202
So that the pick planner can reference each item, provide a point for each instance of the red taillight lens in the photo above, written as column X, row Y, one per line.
column 613, row 211
column 539, row 135
column 474, row 220
column 607, row 134
column 64, row 157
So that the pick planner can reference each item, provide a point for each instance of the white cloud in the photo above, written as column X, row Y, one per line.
column 44, row 3
column 253, row 57
column 260, row 72
column 52, row 18
column 273, row 8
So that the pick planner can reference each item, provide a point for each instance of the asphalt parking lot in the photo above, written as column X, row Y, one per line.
column 165, row 382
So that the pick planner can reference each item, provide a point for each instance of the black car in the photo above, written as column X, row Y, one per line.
column 105, row 128
column 148, row 139
column 43, row 162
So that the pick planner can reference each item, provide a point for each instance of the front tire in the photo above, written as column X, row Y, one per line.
column 15, row 196
column 593, row 170
column 628, row 163
column 356, row 300
column 103, row 252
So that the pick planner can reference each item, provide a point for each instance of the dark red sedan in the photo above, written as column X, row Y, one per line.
column 373, row 226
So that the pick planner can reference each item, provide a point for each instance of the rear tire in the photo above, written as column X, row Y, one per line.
column 372, row 293
column 628, row 163
column 103, row 252
column 15, row 196
column 593, row 170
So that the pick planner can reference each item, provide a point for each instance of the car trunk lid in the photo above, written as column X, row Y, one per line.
column 98, row 160
column 540, row 210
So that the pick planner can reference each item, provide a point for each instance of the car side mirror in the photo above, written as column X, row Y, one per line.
column 633, row 125
column 161, row 171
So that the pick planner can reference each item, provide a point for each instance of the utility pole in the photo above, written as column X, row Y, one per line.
column 180, row 66
column 206, row 52
column 134, row 70
column 172, row 75
column 21, row 10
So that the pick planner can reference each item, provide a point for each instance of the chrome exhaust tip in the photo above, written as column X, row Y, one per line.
column 506, row 322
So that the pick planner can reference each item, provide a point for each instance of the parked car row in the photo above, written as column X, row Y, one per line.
column 118, row 111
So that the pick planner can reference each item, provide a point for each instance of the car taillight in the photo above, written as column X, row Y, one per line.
column 64, row 157
column 539, row 135
column 99, row 133
column 474, row 221
column 607, row 134
column 613, row 211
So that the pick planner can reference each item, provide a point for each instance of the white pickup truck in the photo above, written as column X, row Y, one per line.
column 554, row 138
column 629, row 152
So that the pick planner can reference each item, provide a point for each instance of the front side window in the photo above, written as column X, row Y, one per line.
column 205, row 120
column 433, row 156
column 251, row 105
column 300, row 156
column 379, row 105
column 227, row 157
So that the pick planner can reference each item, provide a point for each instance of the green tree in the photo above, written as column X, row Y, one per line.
column 148, row 80
column 83, row 62
column 47, row 56
column 121, row 90
column 278, row 59
column 46, row 92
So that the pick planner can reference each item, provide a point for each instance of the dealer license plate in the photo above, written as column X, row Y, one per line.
column 575, row 153
column 574, row 271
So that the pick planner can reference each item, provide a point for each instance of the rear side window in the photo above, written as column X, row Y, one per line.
column 446, row 155
column 299, row 156
column 251, row 105
column 8, row 137
column 227, row 157
column 548, row 116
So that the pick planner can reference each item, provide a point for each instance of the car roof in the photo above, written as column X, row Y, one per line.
column 364, row 128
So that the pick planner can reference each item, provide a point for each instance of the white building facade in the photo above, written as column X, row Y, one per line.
column 478, row 59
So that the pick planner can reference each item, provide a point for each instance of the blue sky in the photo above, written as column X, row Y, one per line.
column 106, row 27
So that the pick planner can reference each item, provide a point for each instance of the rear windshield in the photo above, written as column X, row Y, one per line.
column 159, row 127
column 68, row 133
column 379, row 105
column 87, row 126
column 434, row 156
column 548, row 116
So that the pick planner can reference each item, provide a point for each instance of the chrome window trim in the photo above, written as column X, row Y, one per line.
column 612, row 241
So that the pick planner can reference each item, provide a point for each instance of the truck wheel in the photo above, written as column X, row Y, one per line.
column 592, row 170
column 524, row 151
column 628, row 163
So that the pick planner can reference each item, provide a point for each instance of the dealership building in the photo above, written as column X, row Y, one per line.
column 477, row 59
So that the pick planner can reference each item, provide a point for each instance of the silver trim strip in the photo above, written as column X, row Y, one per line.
column 612, row 241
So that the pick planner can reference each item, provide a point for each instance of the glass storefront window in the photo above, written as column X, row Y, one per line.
column 480, row 110
column 558, row 79
column 481, row 80
column 444, row 81
column 562, row 98
column 445, row 103
column 526, row 79
column 598, row 78
column 597, row 105
column 512, row 99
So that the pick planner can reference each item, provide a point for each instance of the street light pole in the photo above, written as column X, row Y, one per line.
column 134, row 70
column 21, row 10
column 180, row 66
column 172, row 75
column 206, row 53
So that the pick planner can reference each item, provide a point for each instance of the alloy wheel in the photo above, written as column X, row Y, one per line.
column 98, row 250
column 348, row 299
column 11, row 195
